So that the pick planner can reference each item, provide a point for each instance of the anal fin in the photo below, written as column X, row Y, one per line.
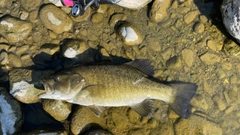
column 144, row 108
column 97, row 110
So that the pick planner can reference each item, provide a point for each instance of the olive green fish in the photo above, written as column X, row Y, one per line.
column 108, row 85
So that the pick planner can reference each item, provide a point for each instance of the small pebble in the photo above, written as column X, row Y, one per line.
column 97, row 18
column 199, row 27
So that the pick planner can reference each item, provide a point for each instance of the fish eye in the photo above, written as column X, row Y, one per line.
column 56, row 79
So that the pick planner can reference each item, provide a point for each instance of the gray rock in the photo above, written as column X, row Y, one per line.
column 20, row 86
column 14, row 30
column 55, row 19
column 10, row 114
column 231, row 16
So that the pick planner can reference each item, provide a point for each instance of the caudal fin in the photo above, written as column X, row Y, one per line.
column 180, row 102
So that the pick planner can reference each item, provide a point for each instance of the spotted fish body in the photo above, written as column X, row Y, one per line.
column 98, row 86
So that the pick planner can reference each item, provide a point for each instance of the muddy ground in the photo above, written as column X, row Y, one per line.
column 190, row 45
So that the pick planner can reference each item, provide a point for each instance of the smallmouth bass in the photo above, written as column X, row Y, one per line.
column 99, row 86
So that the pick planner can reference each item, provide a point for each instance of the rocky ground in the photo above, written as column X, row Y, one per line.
column 180, row 39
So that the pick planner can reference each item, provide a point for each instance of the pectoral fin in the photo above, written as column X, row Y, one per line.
column 144, row 108
column 97, row 110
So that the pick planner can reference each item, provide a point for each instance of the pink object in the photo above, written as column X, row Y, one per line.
column 68, row 2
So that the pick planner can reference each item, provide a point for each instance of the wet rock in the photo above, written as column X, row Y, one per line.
column 73, row 48
column 197, row 125
column 161, row 112
column 120, row 121
column 231, row 16
column 220, row 101
column 158, row 11
column 83, row 119
column 190, row 16
column 133, row 4
column 188, row 57
column 130, row 34
column 97, row 18
column 59, row 110
column 22, row 89
column 14, row 30
column 166, row 128
column 199, row 27
column 25, row 92
column 133, row 116
column 5, row 3
column 30, row 5
column 83, row 17
column 203, row 18
column 24, row 15
column 212, row 44
column 10, row 114
column 22, row 49
column 14, row 60
column 49, row 48
column 117, row 18
column 4, row 58
column 97, row 132
column 210, row 58
column 138, row 131
column 55, row 19
column 45, row 132
column 174, row 63
column 102, row 8
column 227, row 65
column 33, row 16
column 199, row 101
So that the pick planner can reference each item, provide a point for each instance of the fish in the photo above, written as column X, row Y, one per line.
column 114, row 85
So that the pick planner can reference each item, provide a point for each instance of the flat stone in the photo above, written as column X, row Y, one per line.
column 49, row 48
column 188, row 57
column 14, row 30
column 210, row 58
column 59, row 110
column 55, row 19
column 97, row 18
column 190, row 16
column 14, row 60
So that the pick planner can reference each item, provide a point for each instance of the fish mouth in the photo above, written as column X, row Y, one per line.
column 47, row 87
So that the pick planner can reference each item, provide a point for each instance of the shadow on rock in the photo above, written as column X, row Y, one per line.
column 211, row 9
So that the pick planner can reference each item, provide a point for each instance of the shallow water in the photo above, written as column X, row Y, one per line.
column 178, row 52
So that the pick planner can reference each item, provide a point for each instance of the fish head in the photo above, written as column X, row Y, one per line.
column 62, row 85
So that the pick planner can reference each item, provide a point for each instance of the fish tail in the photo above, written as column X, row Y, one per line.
column 182, row 94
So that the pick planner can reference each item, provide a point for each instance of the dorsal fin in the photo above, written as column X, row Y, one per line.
column 143, row 65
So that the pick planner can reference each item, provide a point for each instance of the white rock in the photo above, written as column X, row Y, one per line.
column 130, row 35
